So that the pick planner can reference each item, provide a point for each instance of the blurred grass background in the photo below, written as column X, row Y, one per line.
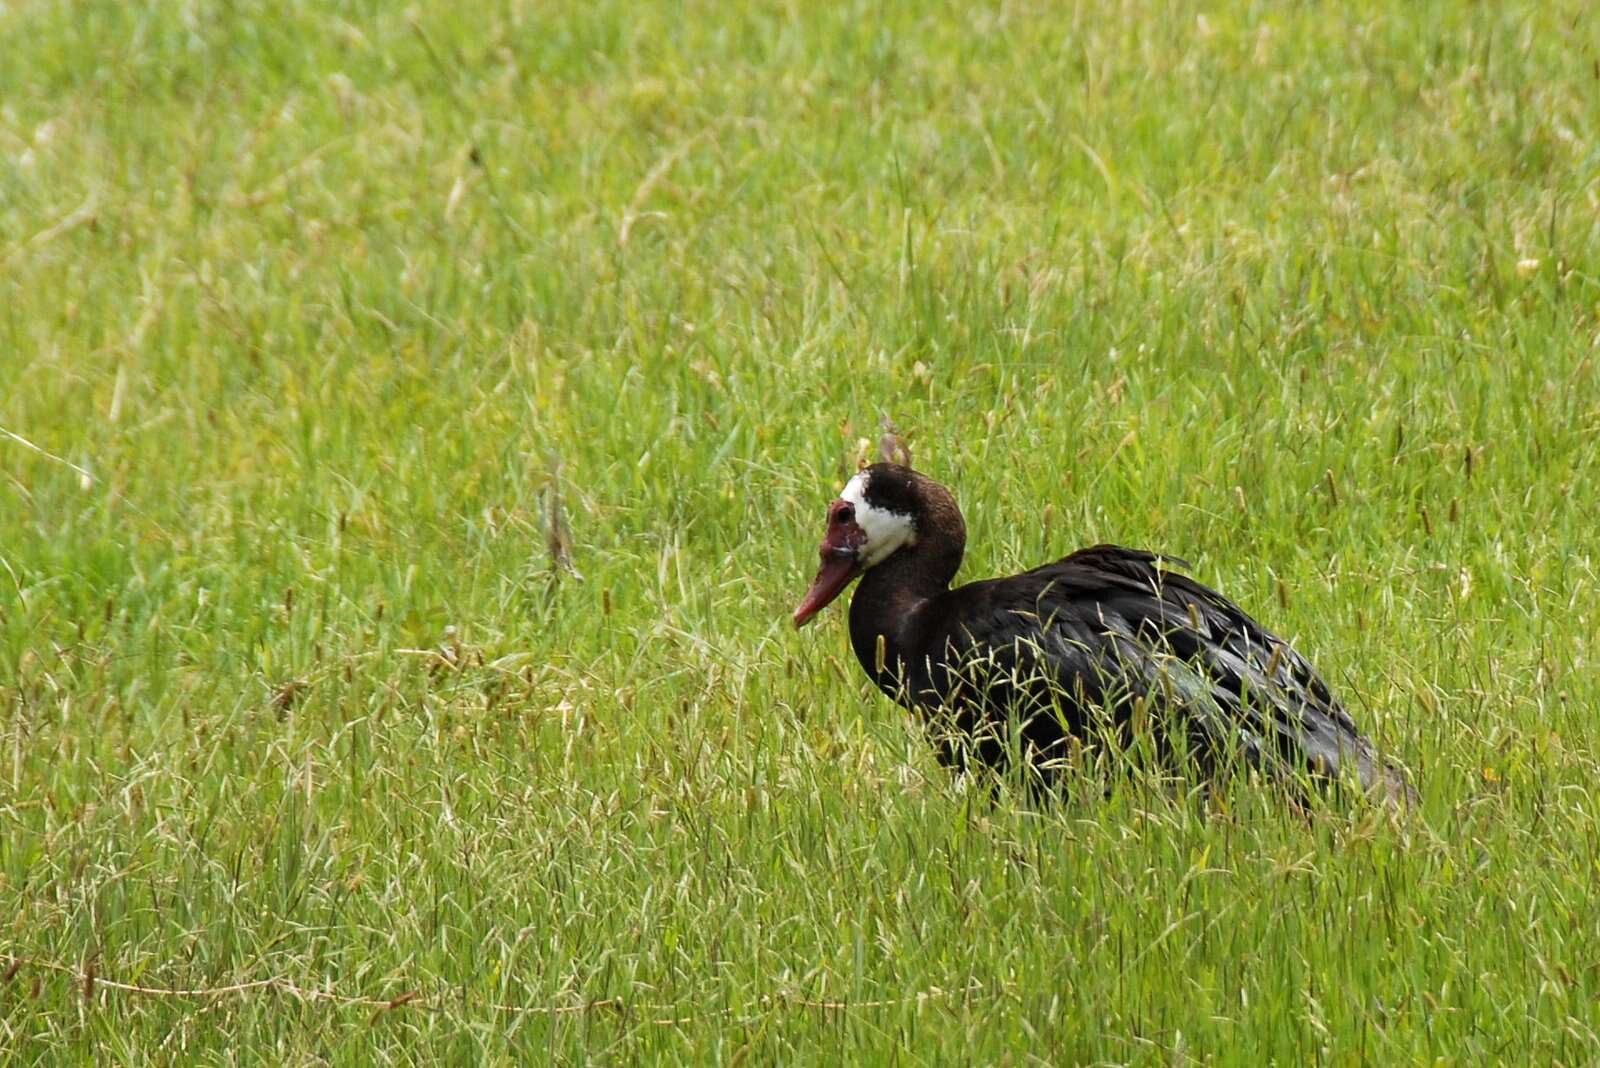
column 334, row 302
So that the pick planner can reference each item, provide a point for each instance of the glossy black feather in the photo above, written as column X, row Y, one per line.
column 1091, row 636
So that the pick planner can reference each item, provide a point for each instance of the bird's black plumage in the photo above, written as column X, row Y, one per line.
column 1087, row 648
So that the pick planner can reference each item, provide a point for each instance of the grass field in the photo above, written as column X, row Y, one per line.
column 319, row 311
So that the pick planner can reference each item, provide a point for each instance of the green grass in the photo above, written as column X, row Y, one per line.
column 328, row 297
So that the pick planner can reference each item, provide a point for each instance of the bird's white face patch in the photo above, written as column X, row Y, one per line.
column 886, row 531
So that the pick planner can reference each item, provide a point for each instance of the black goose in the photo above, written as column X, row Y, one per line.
column 1096, row 640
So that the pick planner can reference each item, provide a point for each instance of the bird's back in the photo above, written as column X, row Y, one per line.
column 1107, row 636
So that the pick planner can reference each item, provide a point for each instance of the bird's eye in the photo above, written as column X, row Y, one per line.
column 846, row 514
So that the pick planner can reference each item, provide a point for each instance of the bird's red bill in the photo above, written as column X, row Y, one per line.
column 834, row 575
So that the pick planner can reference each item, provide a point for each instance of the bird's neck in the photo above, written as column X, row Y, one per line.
column 888, row 614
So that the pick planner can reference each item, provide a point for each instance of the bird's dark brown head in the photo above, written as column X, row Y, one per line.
column 885, row 512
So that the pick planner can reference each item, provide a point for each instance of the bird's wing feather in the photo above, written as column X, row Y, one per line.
column 1109, row 625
